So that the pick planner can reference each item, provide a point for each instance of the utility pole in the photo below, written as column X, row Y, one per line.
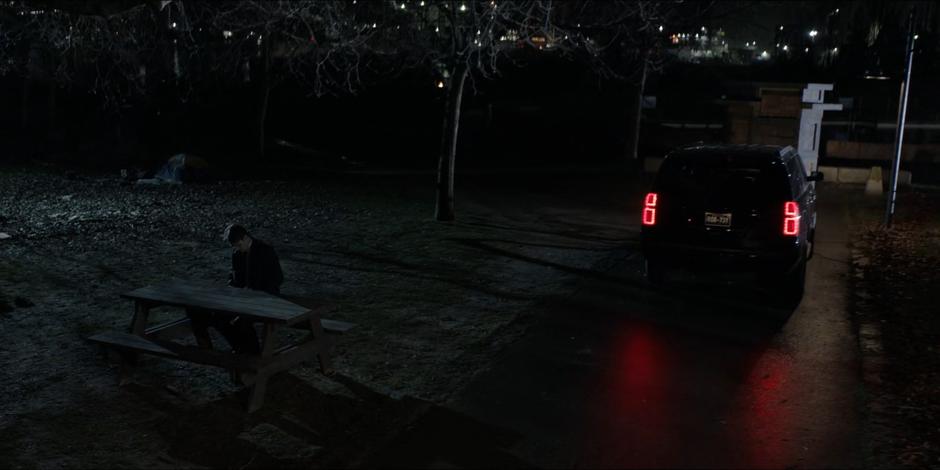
column 902, row 116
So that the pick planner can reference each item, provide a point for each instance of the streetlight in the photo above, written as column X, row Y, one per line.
column 813, row 33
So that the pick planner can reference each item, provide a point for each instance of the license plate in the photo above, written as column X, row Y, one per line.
column 715, row 219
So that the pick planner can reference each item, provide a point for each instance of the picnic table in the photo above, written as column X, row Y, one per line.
column 272, row 312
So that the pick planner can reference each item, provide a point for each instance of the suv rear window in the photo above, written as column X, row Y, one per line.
column 746, row 177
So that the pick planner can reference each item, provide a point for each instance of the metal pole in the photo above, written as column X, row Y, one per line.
column 902, row 116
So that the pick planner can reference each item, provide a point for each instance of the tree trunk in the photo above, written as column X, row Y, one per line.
column 633, row 134
column 444, row 210
column 27, row 88
column 262, row 119
column 264, row 99
column 52, row 107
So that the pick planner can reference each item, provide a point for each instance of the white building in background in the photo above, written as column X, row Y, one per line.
column 811, row 122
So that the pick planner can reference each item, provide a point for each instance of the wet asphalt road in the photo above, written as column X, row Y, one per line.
column 697, row 374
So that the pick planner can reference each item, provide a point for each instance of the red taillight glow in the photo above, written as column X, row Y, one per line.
column 791, row 218
column 649, row 209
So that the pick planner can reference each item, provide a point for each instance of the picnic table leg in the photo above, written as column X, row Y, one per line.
column 138, row 325
column 139, row 322
column 260, row 385
column 316, row 330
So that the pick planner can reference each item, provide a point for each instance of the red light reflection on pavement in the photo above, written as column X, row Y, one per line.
column 765, row 416
column 670, row 400
column 629, row 415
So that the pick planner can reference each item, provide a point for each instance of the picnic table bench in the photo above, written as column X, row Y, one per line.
column 271, row 311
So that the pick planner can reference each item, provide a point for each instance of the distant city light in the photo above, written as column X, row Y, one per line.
column 916, row 36
column 422, row 3
column 440, row 84
column 660, row 28
column 375, row 25
column 813, row 33
column 402, row 6
column 463, row 7
column 764, row 55
column 703, row 29
column 781, row 28
column 226, row 34
column 174, row 24
column 786, row 47
column 437, row 29
column 837, row 10
column 835, row 49
column 806, row 50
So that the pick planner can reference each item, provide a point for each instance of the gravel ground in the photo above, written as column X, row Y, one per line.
column 896, row 298
column 433, row 304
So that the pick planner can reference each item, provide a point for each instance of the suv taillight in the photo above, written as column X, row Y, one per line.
column 649, row 209
column 791, row 218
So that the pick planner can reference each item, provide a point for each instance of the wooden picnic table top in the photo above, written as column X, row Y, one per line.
column 232, row 300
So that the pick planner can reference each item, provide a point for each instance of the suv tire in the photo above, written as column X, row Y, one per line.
column 654, row 273
column 794, row 284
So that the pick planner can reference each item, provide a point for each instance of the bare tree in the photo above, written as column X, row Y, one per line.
column 316, row 43
column 461, row 40
column 111, row 48
column 626, row 42
column 101, row 48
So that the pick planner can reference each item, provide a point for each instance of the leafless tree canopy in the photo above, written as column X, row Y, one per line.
column 476, row 34
column 621, row 34
column 119, row 49
column 122, row 51
column 318, row 43
column 104, row 51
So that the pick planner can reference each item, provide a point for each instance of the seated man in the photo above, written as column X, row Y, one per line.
column 255, row 265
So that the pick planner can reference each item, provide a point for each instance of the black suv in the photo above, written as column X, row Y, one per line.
column 732, row 208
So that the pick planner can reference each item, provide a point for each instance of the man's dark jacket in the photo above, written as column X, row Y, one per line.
column 258, row 269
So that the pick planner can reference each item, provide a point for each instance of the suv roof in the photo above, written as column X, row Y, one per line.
column 781, row 152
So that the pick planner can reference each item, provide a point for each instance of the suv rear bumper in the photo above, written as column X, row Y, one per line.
column 709, row 259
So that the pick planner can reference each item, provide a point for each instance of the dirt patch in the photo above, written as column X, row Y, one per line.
column 896, row 292
column 433, row 303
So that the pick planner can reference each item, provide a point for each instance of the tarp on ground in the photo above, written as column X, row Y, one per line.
column 183, row 168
